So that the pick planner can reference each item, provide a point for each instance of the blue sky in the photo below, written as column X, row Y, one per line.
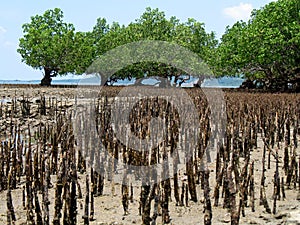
column 83, row 14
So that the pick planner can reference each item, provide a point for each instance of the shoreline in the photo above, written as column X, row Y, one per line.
column 71, row 86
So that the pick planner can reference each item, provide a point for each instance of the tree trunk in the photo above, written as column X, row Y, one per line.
column 103, row 80
column 46, row 81
column 200, row 81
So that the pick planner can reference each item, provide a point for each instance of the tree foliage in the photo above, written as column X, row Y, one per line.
column 266, row 48
column 153, row 25
column 53, row 45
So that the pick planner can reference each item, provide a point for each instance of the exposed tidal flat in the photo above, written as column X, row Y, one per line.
column 48, row 141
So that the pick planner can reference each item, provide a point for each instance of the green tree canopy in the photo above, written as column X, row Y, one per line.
column 53, row 45
column 266, row 49
column 153, row 25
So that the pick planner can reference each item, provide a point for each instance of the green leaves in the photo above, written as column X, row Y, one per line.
column 53, row 45
column 266, row 48
column 153, row 25
column 268, row 44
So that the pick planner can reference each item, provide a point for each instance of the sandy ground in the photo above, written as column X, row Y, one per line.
column 109, row 210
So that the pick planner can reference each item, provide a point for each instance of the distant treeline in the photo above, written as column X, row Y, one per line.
column 265, row 49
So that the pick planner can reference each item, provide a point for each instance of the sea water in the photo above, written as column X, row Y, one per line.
column 223, row 82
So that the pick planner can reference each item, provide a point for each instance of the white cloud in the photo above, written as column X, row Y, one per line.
column 3, row 42
column 240, row 12
column 2, row 30
column 9, row 44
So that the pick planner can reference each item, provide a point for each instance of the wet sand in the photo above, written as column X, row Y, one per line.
column 108, row 208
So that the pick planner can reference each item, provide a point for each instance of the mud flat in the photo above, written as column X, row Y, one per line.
column 41, row 146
